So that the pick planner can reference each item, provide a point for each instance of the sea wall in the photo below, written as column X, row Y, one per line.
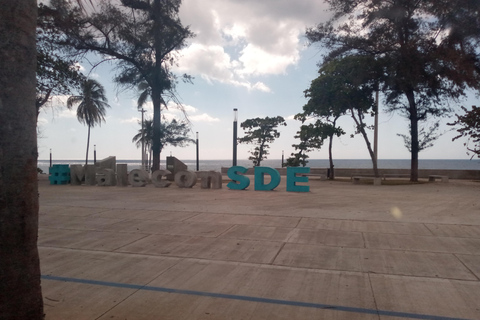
column 422, row 173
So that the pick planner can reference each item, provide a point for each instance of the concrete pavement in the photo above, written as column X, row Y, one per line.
column 341, row 251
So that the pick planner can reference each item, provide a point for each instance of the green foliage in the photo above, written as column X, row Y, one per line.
column 426, row 137
column 296, row 160
column 141, row 36
column 92, row 103
column 145, row 134
column 468, row 125
column 261, row 132
column 344, row 86
column 173, row 133
column 311, row 137
column 57, row 73
column 427, row 50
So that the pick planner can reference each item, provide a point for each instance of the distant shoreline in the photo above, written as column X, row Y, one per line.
column 336, row 159
column 216, row 165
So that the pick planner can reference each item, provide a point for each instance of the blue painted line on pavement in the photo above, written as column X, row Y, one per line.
column 250, row 299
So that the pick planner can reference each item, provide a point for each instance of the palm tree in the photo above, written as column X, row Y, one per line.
column 145, row 136
column 91, row 106
column 173, row 133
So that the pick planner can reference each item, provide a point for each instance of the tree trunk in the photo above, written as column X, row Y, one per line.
column 413, row 113
column 156, row 130
column 156, row 85
column 361, row 127
column 150, row 160
column 331, row 176
column 331, row 171
column 260, row 155
column 20, row 291
column 88, row 145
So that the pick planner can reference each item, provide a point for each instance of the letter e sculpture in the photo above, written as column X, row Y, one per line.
column 292, row 179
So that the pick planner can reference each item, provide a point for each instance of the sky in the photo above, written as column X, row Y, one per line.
column 251, row 55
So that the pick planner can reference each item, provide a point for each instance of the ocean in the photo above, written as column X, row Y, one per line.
column 441, row 164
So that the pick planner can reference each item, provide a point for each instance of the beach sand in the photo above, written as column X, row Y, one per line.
column 340, row 251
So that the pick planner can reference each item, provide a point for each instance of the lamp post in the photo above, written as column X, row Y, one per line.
column 198, row 163
column 94, row 154
column 235, row 117
column 375, row 132
column 50, row 158
column 143, row 142
column 283, row 155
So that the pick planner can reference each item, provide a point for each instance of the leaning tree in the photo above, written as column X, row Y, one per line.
column 428, row 49
column 311, row 137
column 345, row 86
column 261, row 132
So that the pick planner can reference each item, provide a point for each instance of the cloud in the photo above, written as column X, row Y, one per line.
column 177, row 111
column 213, row 64
column 261, row 87
column 171, row 107
column 203, row 118
column 67, row 113
column 238, row 40
column 174, row 112
column 257, row 61
column 133, row 120
column 41, row 121
column 176, row 108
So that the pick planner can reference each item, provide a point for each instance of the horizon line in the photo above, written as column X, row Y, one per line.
column 279, row 159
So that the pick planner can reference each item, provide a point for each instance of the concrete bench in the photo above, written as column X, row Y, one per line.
column 322, row 176
column 433, row 177
column 376, row 180
column 395, row 175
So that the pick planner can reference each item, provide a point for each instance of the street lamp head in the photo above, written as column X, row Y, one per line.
column 235, row 114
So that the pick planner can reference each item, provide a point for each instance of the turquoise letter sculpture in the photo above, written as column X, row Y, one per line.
column 260, row 173
column 292, row 179
column 239, row 182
